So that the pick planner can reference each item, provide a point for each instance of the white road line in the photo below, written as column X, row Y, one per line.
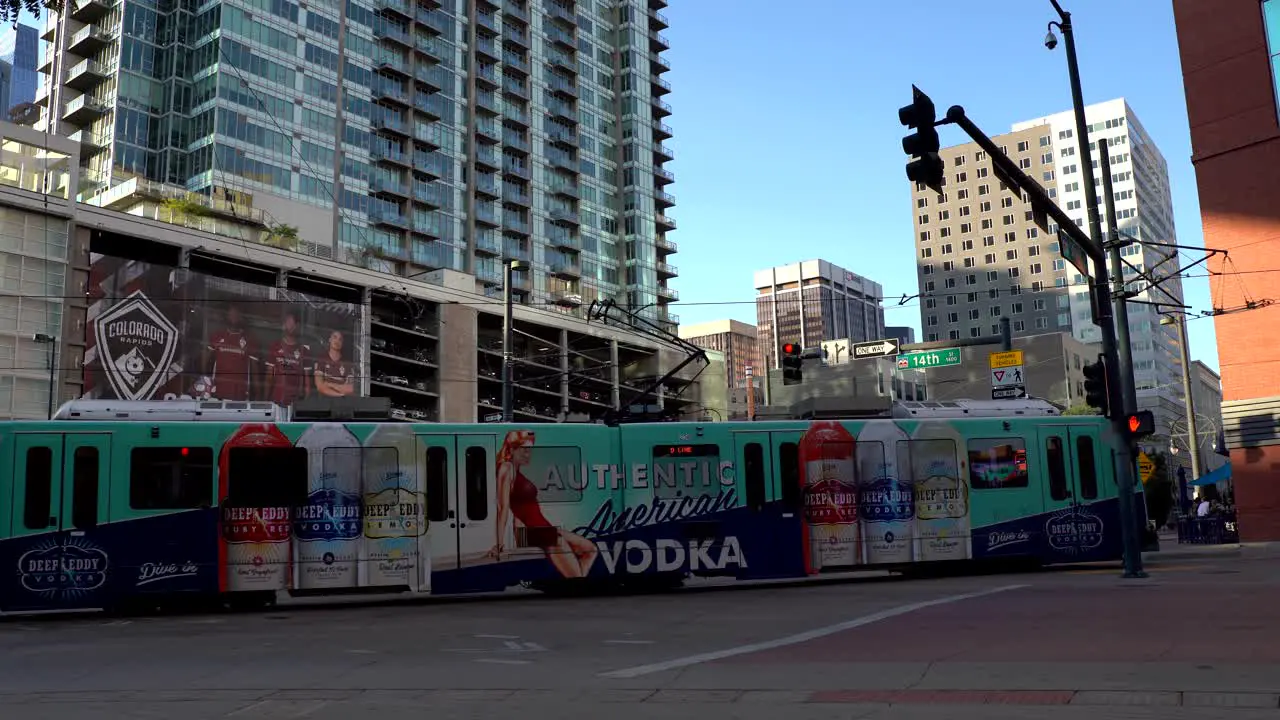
column 498, row 637
column 798, row 638
column 499, row 661
column 628, row 642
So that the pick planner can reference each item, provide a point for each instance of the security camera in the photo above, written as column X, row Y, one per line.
column 1051, row 40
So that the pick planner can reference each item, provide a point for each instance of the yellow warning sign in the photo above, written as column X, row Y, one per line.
column 1146, row 467
column 1010, row 358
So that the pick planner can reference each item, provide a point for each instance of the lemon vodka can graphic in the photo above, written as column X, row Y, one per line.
column 885, row 505
column 828, row 461
column 394, row 511
column 940, row 482
column 327, row 528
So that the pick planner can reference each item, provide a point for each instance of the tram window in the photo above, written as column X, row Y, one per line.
column 997, row 463
column 84, row 489
column 753, row 457
column 680, row 470
column 789, row 475
column 477, row 483
column 35, row 510
column 170, row 478
column 268, row 477
column 1088, row 467
column 437, row 484
column 1056, row 459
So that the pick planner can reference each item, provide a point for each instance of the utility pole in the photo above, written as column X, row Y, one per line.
column 52, row 342
column 751, row 396
column 1106, row 314
column 1121, row 300
column 508, row 327
column 1193, row 436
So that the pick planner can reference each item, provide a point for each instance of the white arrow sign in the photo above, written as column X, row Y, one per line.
column 876, row 348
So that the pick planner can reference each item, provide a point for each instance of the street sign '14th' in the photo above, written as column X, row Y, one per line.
column 922, row 359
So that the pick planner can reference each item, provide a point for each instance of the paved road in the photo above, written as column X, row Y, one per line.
column 1197, row 639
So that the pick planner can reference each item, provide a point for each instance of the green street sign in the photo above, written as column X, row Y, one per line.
column 924, row 359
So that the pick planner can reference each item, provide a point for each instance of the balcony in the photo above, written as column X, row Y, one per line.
column 563, row 112
column 433, row 20
column 87, row 11
column 665, row 246
column 429, row 46
column 88, row 41
column 86, row 74
column 516, row 62
column 660, row 109
column 387, row 186
column 658, row 42
column 511, row 250
column 487, row 157
column 564, row 88
column 487, row 185
column 564, row 163
column 566, row 270
column 487, row 47
column 384, row 154
column 84, row 110
column 567, row 298
column 563, row 136
column 488, row 275
column 663, row 176
column 486, row 213
column 488, row 102
column 658, row 86
column 658, row 64
column 664, row 222
column 513, row 223
column 657, row 20
column 514, row 141
column 385, row 90
column 556, row 11
column 668, row 294
column 388, row 31
column 568, row 190
column 390, row 218
column 489, row 243
column 487, row 75
column 560, row 37
column 488, row 131
column 435, row 77
column 431, row 194
column 664, row 200
column 516, row 114
column 563, row 61
column 663, row 153
column 515, row 10
column 661, row 131
column 563, row 239
column 564, row 217
column 514, row 35
column 488, row 21
column 437, row 107
column 91, row 142
column 516, row 196
column 390, row 123
column 667, row 271
column 431, row 164
column 391, row 62
column 398, row 7
column 515, row 87
column 517, row 170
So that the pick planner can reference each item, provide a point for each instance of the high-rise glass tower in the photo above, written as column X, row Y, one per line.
column 401, row 135
column 20, row 50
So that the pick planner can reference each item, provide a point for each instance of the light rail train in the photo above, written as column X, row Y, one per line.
column 114, row 503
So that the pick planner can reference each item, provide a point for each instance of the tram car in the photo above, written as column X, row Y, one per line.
column 113, row 503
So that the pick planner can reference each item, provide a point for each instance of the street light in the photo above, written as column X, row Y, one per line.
column 507, row 330
column 1193, row 442
column 1115, row 339
column 52, row 342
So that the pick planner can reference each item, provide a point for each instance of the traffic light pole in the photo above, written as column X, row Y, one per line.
column 1106, row 322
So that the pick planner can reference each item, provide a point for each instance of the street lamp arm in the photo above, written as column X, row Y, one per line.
column 1066, row 16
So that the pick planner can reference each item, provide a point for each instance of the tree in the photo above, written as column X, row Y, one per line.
column 1081, row 410
column 282, row 236
column 10, row 10
column 183, row 207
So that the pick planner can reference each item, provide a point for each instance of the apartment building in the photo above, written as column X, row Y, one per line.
column 736, row 340
column 982, row 253
column 811, row 301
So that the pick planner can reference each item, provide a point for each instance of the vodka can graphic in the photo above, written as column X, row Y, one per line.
column 394, row 511
column 327, row 529
column 828, row 464
column 941, row 492
column 255, row 536
column 885, row 504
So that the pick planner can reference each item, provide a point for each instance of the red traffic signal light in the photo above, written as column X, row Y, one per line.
column 790, row 348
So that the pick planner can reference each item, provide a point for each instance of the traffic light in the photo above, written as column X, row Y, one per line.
column 926, row 165
column 1095, row 385
column 791, row 364
column 1141, row 423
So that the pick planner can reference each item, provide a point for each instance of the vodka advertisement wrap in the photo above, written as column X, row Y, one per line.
column 941, row 491
column 885, row 504
column 394, row 511
column 255, row 536
column 327, row 529
column 829, row 462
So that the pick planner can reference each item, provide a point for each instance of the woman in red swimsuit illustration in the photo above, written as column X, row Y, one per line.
column 571, row 554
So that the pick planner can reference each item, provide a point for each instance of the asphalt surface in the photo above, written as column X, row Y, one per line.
column 1196, row 639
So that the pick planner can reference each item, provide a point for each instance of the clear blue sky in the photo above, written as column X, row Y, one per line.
column 787, row 139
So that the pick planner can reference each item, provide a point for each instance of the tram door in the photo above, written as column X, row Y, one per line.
column 461, row 493
column 1076, row 527
column 769, row 489
column 59, row 491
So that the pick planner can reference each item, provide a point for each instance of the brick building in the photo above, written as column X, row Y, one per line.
column 1228, row 51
